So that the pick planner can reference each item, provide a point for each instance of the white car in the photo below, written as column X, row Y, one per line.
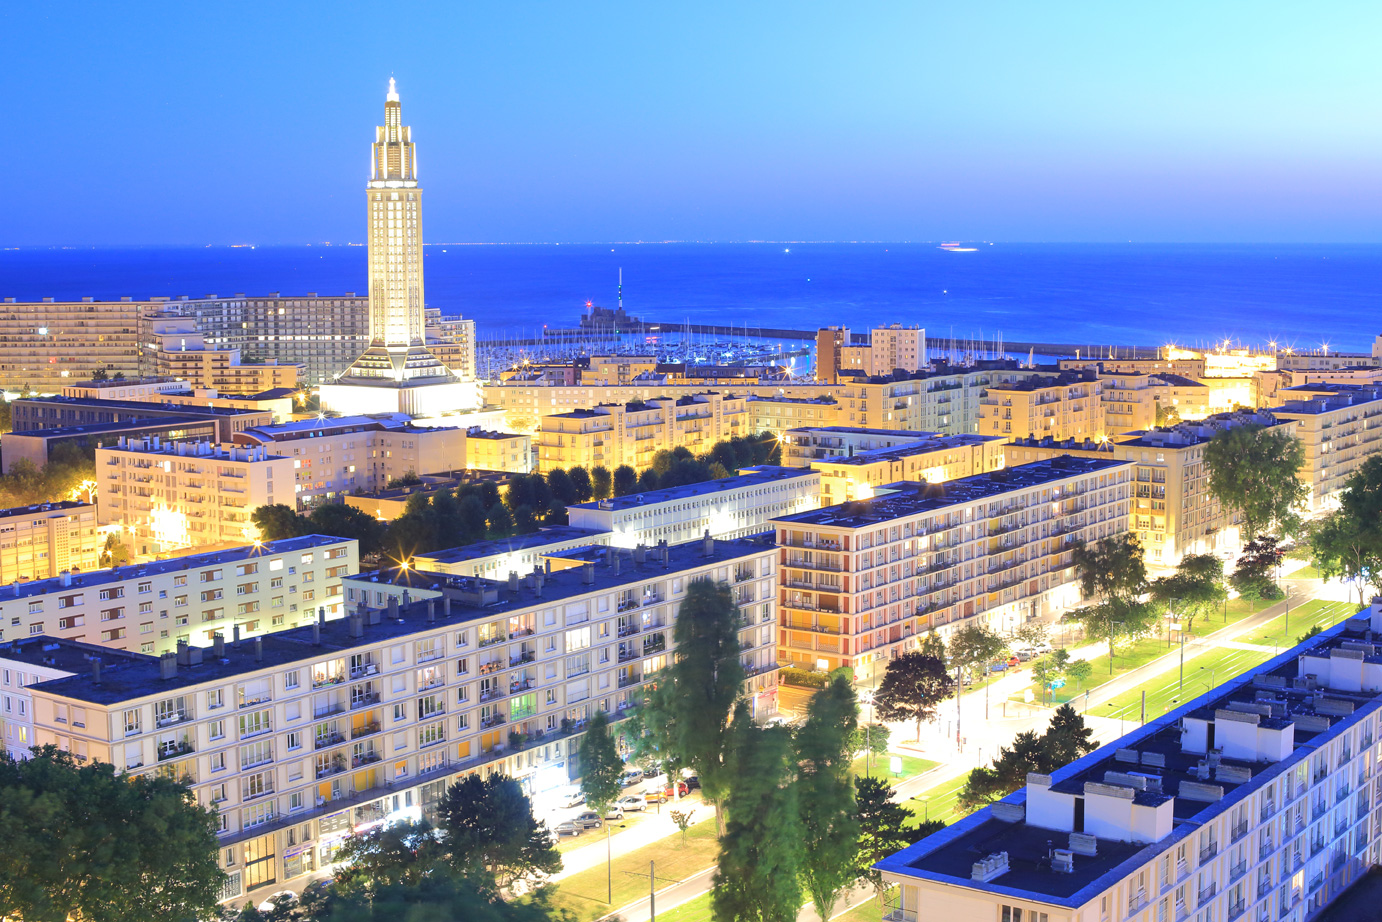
column 574, row 799
column 632, row 802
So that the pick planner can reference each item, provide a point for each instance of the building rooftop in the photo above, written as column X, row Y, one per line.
column 94, row 578
column 137, row 405
column 143, row 424
column 1154, row 764
column 550, row 535
column 68, row 655
column 748, row 477
column 472, row 599
column 65, row 505
column 316, row 428
column 860, row 430
column 898, row 452
column 152, row 445
column 905, row 498
column 1040, row 382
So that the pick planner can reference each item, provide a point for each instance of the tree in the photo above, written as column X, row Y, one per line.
column 972, row 646
column 99, row 375
column 601, row 767
column 882, row 828
column 499, row 523
column 440, row 895
column 562, row 487
column 1252, row 469
column 913, row 687
column 580, row 482
column 1032, row 633
column 1113, row 570
column 490, row 829
column 116, row 553
column 470, row 517
column 1348, row 542
column 932, row 645
column 600, row 483
column 81, row 841
column 1080, row 670
column 1067, row 738
column 871, row 739
column 707, row 680
column 277, row 521
column 758, row 878
column 1044, row 672
column 6, row 415
column 397, row 854
column 683, row 820
column 625, row 480
column 1196, row 588
column 825, row 793
column 1166, row 415
column 1255, row 575
column 345, row 521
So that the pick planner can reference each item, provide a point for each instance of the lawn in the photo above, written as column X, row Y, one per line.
column 939, row 804
column 696, row 909
column 865, row 910
column 881, row 767
column 1316, row 612
column 585, row 893
column 1165, row 692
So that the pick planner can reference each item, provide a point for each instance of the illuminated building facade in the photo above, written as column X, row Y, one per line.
column 1063, row 406
column 396, row 373
column 305, row 736
column 1341, row 426
column 150, row 607
column 631, row 433
column 169, row 496
column 932, row 458
column 40, row 541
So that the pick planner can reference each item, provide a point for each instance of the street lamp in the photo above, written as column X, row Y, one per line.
column 1211, row 669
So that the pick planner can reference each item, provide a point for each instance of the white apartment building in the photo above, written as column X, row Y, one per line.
column 150, row 607
column 935, row 459
column 335, row 457
column 498, row 558
column 302, row 737
column 805, row 444
column 861, row 580
column 28, row 661
column 1258, row 801
column 46, row 539
column 1341, row 426
column 167, row 496
column 631, row 433
column 731, row 508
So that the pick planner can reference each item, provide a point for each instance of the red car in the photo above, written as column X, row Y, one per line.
column 681, row 790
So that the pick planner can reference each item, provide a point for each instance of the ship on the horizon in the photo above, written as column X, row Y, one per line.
column 956, row 247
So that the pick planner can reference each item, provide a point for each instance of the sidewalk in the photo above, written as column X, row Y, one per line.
column 651, row 829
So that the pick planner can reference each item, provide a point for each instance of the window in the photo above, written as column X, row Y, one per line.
column 132, row 722
column 217, row 729
column 291, row 679
column 214, row 699
column 254, row 723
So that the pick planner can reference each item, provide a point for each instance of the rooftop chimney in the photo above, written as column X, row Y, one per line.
column 218, row 645
column 235, row 635
column 393, row 608
column 616, row 563
column 709, row 544
column 96, row 670
column 640, row 555
column 321, row 615
column 259, row 649
column 357, row 626
column 446, row 605
column 431, row 610
column 513, row 582
column 316, row 634
column 168, row 666
column 588, row 573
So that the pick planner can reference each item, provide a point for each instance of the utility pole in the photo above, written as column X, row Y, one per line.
column 1144, row 707
column 652, row 891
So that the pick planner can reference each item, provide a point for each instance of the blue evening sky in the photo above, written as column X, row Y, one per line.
column 194, row 123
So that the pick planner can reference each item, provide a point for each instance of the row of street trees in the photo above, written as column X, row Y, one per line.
column 1347, row 543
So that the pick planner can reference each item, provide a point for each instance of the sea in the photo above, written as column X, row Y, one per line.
column 1106, row 296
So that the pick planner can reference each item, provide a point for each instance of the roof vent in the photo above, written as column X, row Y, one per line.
column 1063, row 861
column 1082, row 843
column 990, row 867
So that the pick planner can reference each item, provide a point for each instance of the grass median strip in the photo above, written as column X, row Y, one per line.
column 1205, row 671
column 1283, row 630
column 881, row 767
column 585, row 893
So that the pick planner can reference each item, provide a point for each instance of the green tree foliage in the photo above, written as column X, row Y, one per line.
column 69, row 465
column 650, row 731
column 972, row 647
column 115, row 553
column 871, row 738
column 601, row 766
column 706, row 680
column 601, row 485
column 1079, row 670
column 825, row 793
column 394, row 855
column 6, row 415
column 1066, row 739
column 883, row 829
column 562, row 487
column 932, row 645
column 1031, row 633
column 625, row 480
column 913, row 686
column 500, row 522
column 758, row 878
column 1347, row 543
column 277, row 521
column 1196, row 588
column 1113, row 571
column 1254, row 577
column 441, row 895
column 581, row 484
column 1252, row 469
column 490, row 830
column 100, row 374
column 410, row 479
column 80, row 841
column 343, row 521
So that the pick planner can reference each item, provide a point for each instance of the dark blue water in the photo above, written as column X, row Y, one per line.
column 1299, row 295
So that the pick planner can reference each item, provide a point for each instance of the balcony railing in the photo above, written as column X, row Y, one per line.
column 1238, row 870
column 1239, row 830
column 360, row 701
column 173, row 750
column 1208, row 892
column 364, row 730
column 330, row 740
column 1209, row 851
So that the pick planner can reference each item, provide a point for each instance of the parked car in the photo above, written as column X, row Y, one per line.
column 1024, row 655
column 633, row 803
column 569, row 828
column 574, row 799
column 654, row 795
column 632, row 776
column 615, row 812
column 693, row 782
column 1041, row 647
column 1013, row 661
column 588, row 819
column 998, row 665
column 682, row 790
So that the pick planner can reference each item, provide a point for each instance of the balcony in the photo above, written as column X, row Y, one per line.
column 331, row 739
column 367, row 669
column 334, row 767
column 1264, row 886
column 1236, row 909
column 628, row 654
column 629, row 604
column 364, row 700
column 364, row 758
column 1239, row 830
column 364, row 730
column 169, row 719
column 1267, row 812
column 628, row 630
column 1238, row 870
column 524, row 685
column 626, row 680
column 1208, row 892
column 491, row 640
column 527, row 656
column 173, row 750
column 493, row 693
column 1264, row 850
column 494, row 720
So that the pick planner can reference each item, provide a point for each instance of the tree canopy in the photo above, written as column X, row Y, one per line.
column 913, row 686
column 1066, row 739
column 601, row 766
column 1252, row 469
column 490, row 828
column 825, row 796
column 1113, row 572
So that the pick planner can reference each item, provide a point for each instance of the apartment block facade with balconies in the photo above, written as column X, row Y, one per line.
column 860, row 581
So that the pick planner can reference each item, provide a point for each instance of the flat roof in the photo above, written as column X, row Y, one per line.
column 550, row 535
column 68, row 655
column 100, row 403
column 1154, row 751
column 859, row 430
column 473, row 599
column 88, row 579
column 907, row 497
column 303, row 428
column 898, row 452
column 145, row 424
column 65, row 505
column 748, row 477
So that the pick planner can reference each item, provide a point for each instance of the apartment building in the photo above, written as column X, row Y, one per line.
column 168, row 496
column 452, row 341
column 332, row 458
column 488, row 450
column 617, row 369
column 1341, row 426
column 734, row 507
column 526, row 399
column 1063, row 406
column 1136, row 402
column 779, row 415
column 45, row 343
column 30, row 414
column 803, row 445
column 884, row 351
column 631, row 433
column 180, row 351
column 40, row 541
column 37, row 446
column 1173, row 512
column 498, row 558
column 1256, row 801
column 933, row 459
column 859, row 581
column 946, row 399
column 149, row 607
column 303, row 737
column 177, row 392
column 151, row 388
column 29, row 661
